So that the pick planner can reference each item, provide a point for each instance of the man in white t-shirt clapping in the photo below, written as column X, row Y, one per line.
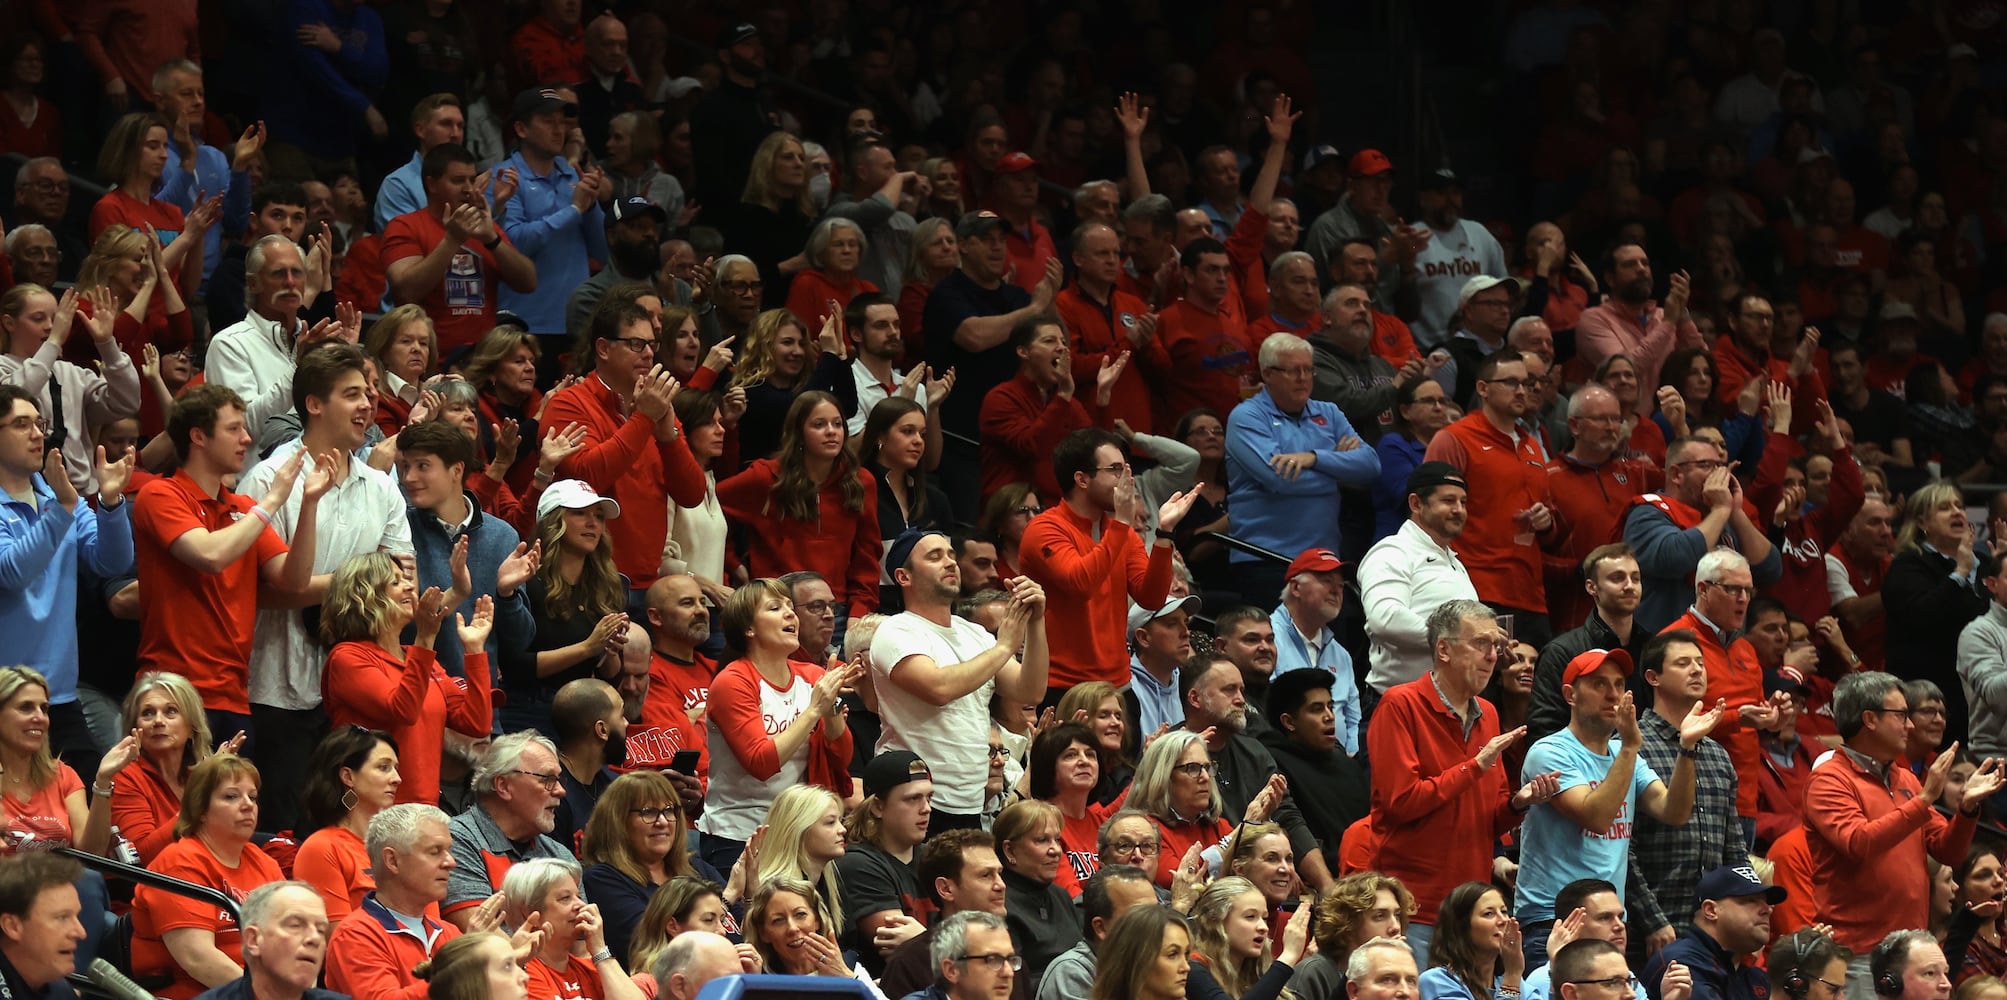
column 935, row 673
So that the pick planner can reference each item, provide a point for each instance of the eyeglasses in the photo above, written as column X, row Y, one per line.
column 996, row 961
column 1837, row 988
column 26, row 424
column 1118, row 468
column 741, row 287
column 655, row 814
column 1195, row 768
column 1926, row 713
column 551, row 782
column 1027, row 511
column 1732, row 589
column 1514, row 384
column 1299, row 371
column 818, row 608
column 1145, row 848
column 1904, row 712
column 998, row 751
column 1703, row 464
column 1207, row 432
column 639, row 345
column 1491, row 303
column 1612, row 983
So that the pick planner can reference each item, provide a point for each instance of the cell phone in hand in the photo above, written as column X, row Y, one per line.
column 684, row 762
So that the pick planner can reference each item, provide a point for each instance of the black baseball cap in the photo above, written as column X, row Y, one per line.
column 893, row 768
column 634, row 208
column 736, row 33
column 1429, row 475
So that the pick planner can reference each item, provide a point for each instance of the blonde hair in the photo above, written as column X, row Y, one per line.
column 672, row 901
column 785, row 855
column 916, row 257
column 1025, row 818
column 41, row 767
column 218, row 770
column 384, row 331
column 600, row 590
column 756, row 909
column 1209, row 936
column 456, row 971
column 358, row 600
column 759, row 188
column 756, row 364
column 117, row 241
column 1921, row 503
column 13, row 304
column 187, row 701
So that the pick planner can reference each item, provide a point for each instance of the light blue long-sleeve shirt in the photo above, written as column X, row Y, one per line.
column 42, row 547
column 403, row 191
column 1156, row 701
column 1290, row 515
column 212, row 176
column 1292, row 653
column 542, row 223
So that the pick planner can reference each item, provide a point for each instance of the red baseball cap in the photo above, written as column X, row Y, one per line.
column 1367, row 162
column 1014, row 162
column 1592, row 661
column 1314, row 561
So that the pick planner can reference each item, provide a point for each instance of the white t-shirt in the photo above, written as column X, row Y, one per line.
column 954, row 740
column 736, row 802
column 1453, row 256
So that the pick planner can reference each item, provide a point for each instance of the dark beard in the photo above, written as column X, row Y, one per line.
column 639, row 261
column 616, row 750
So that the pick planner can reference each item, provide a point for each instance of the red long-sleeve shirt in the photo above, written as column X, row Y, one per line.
column 1807, row 539
column 130, row 39
column 1500, row 550
column 413, row 700
column 1868, row 837
column 1435, row 811
column 1737, row 366
column 543, row 53
column 1590, row 500
column 811, row 292
column 1209, row 351
column 371, row 955
column 1019, row 428
column 841, row 544
column 1096, row 331
column 1735, row 676
column 623, row 461
column 1088, row 583
column 144, row 808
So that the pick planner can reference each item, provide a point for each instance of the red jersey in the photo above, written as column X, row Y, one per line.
column 1499, row 549
column 1098, row 330
column 1210, row 351
column 1591, row 500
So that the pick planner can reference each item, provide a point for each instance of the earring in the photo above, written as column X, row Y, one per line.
column 348, row 799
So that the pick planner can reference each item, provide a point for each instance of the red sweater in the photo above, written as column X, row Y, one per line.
column 809, row 295
column 1733, row 674
column 1500, row 551
column 1209, row 351
column 841, row 544
column 1435, row 811
column 1737, row 367
column 1590, row 500
column 1095, row 331
column 1019, row 428
column 413, row 700
column 1868, row 840
column 1177, row 838
column 1088, row 584
column 623, row 461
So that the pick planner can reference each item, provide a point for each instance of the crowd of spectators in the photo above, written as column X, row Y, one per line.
column 571, row 499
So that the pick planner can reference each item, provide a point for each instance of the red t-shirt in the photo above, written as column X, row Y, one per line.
column 154, row 913
column 675, row 692
column 193, row 623
column 334, row 862
column 117, row 206
column 44, row 813
column 462, row 306
column 577, row 980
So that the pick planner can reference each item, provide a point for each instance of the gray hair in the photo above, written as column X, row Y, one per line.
column 857, row 637
column 729, row 260
column 1086, row 191
column 951, row 938
column 1101, row 838
column 15, row 236
column 454, row 390
column 818, row 239
column 259, row 902
column 27, row 171
column 1155, row 209
column 1992, row 319
column 396, row 828
column 1582, row 396
column 1856, row 694
column 528, row 884
column 1446, row 621
column 1919, row 691
column 1718, row 562
column 1279, row 344
column 505, row 754
column 1360, row 962
column 680, row 955
column 1150, row 789
column 1520, row 324
column 1273, row 202
column 1288, row 260
column 254, row 258
column 169, row 68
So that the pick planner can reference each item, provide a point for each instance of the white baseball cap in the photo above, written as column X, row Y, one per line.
column 574, row 494
column 1483, row 282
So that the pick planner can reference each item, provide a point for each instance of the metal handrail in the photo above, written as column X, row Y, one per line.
column 154, row 880
column 1243, row 545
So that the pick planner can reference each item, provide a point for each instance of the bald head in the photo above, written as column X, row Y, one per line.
column 692, row 959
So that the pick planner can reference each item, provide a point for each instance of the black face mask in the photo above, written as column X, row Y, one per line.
column 616, row 750
column 639, row 261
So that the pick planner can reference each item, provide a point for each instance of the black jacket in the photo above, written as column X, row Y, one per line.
column 1926, row 611
column 1549, row 712
column 1331, row 789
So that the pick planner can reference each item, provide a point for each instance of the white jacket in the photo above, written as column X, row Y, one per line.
column 1403, row 579
column 254, row 359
